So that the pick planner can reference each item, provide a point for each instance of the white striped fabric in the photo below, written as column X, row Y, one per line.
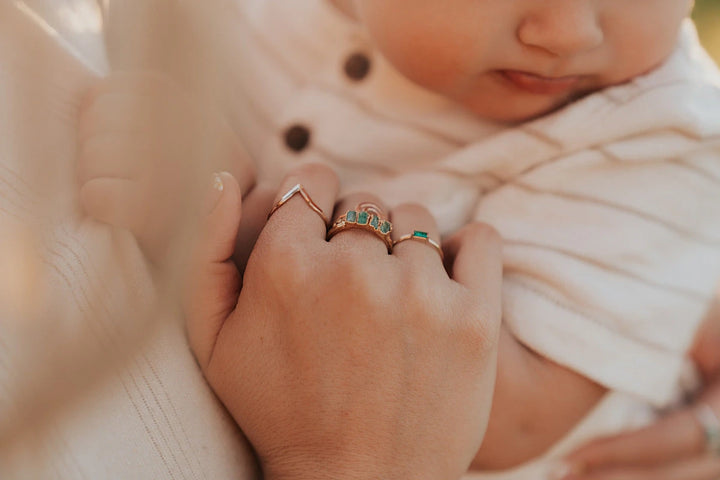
column 609, row 208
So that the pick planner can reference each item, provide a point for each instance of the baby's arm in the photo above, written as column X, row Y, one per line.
column 536, row 402
column 705, row 353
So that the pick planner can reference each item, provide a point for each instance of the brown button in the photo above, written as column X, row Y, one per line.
column 357, row 66
column 297, row 138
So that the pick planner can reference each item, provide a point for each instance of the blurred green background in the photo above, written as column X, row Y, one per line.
column 707, row 18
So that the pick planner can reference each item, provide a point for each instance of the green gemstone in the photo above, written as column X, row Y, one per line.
column 363, row 218
column 419, row 234
column 385, row 227
column 351, row 216
column 375, row 222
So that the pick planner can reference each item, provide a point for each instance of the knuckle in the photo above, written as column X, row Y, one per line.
column 361, row 279
column 359, row 197
column 477, row 331
column 412, row 210
column 483, row 233
column 476, row 338
column 322, row 172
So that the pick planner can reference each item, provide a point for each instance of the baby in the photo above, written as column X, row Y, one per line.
column 586, row 132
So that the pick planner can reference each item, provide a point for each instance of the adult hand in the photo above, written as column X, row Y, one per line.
column 674, row 447
column 341, row 361
column 145, row 149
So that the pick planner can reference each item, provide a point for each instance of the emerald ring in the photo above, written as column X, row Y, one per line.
column 364, row 218
column 420, row 236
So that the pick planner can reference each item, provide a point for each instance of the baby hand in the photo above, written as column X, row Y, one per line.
column 146, row 149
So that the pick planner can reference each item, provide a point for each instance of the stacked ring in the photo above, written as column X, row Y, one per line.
column 366, row 216
column 299, row 189
column 421, row 236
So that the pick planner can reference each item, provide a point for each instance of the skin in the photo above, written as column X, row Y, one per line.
column 330, row 382
column 673, row 448
column 552, row 39
column 604, row 42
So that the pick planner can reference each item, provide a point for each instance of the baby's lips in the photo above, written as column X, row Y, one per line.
column 540, row 85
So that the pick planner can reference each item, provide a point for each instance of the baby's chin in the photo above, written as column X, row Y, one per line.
column 513, row 110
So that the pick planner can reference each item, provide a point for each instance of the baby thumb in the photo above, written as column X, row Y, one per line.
column 213, row 280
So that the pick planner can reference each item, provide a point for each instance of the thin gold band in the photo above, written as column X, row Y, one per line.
column 303, row 193
column 423, row 237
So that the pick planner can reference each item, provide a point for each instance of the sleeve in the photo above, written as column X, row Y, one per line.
column 611, row 260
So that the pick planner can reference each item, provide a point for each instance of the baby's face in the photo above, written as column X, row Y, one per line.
column 512, row 60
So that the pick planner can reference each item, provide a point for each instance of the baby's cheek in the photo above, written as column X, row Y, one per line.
column 433, row 65
column 638, row 47
column 426, row 47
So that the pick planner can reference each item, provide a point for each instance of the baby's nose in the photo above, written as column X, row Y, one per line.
column 561, row 27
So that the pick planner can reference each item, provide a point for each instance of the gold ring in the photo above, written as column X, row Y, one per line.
column 303, row 193
column 364, row 219
column 371, row 207
column 421, row 236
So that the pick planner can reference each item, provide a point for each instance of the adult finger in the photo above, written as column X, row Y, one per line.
column 296, row 220
column 416, row 233
column 119, row 112
column 113, row 201
column 256, row 206
column 214, row 281
column 675, row 436
column 474, row 259
column 700, row 468
column 361, row 239
column 109, row 155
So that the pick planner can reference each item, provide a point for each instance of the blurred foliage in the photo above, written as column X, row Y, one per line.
column 707, row 18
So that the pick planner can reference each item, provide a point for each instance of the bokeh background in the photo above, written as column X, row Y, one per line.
column 707, row 18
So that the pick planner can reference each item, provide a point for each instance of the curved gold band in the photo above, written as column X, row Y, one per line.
column 372, row 208
column 421, row 236
column 303, row 193
column 365, row 219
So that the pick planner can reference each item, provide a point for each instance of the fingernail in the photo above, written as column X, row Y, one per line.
column 560, row 470
column 214, row 196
